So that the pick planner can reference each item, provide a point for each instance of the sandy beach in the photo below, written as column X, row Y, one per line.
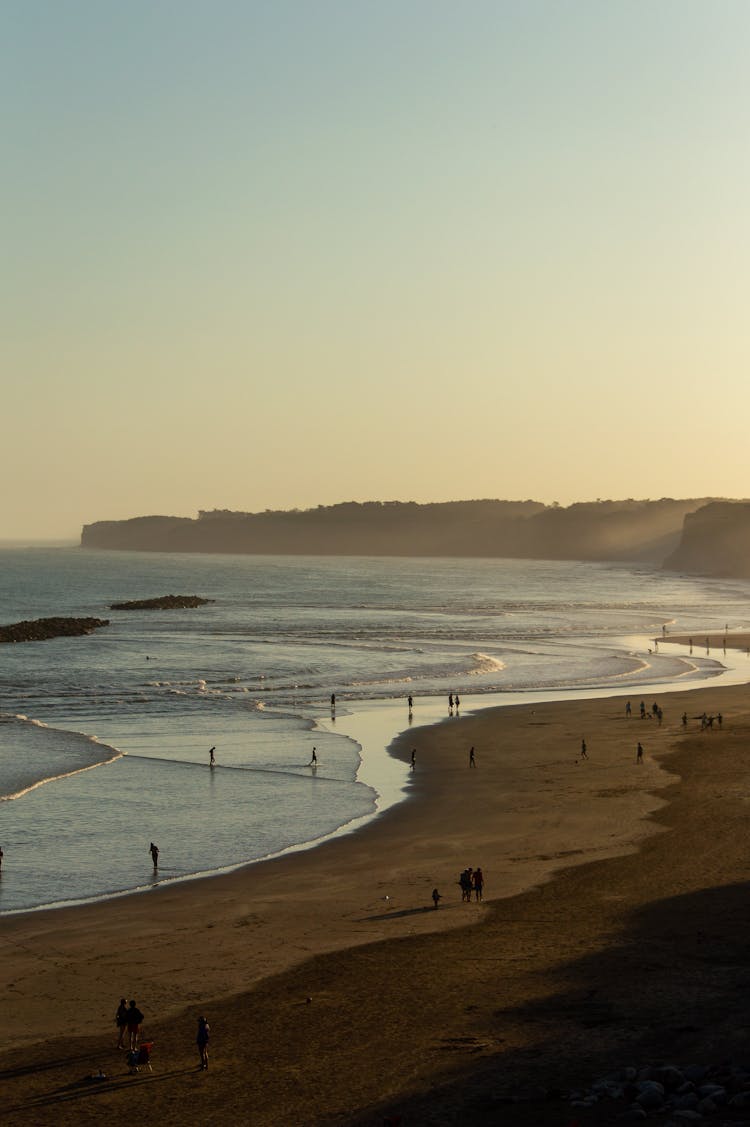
column 611, row 929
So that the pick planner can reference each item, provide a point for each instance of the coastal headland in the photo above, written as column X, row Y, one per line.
column 613, row 932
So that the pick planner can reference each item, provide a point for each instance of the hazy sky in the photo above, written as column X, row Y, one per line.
column 267, row 255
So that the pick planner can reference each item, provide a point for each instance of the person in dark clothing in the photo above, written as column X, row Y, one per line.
column 135, row 1020
column 121, row 1021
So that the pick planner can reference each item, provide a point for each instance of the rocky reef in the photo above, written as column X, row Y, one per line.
column 40, row 629
column 163, row 602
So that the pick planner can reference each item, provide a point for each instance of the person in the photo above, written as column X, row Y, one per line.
column 584, row 753
column 1, row 857
column 457, row 702
column 465, row 880
column 413, row 758
column 719, row 718
column 154, row 851
column 436, row 897
column 639, row 754
column 472, row 760
column 450, row 703
column 211, row 756
column 684, row 719
column 333, row 702
column 202, row 1041
column 135, row 1020
column 314, row 758
column 478, row 884
column 121, row 1021
column 628, row 709
column 410, row 698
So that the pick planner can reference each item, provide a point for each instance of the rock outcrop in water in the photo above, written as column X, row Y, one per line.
column 164, row 602
column 601, row 530
column 40, row 629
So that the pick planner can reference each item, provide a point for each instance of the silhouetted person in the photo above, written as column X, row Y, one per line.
column 639, row 754
column 135, row 1020
column 584, row 753
column 472, row 760
column 211, row 757
column 314, row 759
column 202, row 1041
column 436, row 898
column 154, row 851
column 411, row 702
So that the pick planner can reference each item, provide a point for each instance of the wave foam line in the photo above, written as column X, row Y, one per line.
column 64, row 775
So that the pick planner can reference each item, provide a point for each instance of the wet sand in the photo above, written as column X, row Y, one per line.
column 410, row 1008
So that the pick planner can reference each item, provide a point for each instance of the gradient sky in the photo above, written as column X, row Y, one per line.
column 271, row 255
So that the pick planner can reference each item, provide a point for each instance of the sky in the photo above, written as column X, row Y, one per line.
column 290, row 253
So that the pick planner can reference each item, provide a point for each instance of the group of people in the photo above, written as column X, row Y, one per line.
column 471, row 880
column 129, row 1020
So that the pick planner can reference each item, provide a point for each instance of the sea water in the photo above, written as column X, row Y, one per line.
column 104, row 739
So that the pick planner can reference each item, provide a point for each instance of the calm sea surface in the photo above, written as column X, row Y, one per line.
column 104, row 739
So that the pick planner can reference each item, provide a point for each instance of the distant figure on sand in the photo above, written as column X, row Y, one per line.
column 211, row 757
column 411, row 702
column 202, row 1041
column 154, row 851
column 628, row 709
column 413, row 758
column 313, row 759
column 135, row 1020
column 584, row 753
column 639, row 754
column 457, row 702
column 472, row 760
column 478, row 884
column 436, row 898
column 450, row 703
column 1, row 858
column 121, row 1021
column 333, row 702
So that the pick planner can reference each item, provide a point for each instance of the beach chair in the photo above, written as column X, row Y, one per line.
column 141, row 1057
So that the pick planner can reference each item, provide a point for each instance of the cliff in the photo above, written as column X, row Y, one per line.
column 602, row 530
column 715, row 541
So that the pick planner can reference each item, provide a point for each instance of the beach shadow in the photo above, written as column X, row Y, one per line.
column 87, row 1087
column 673, row 985
column 398, row 915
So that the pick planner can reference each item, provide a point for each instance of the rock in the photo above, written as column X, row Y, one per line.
column 41, row 629
column 163, row 602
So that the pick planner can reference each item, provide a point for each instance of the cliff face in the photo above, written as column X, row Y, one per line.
column 603, row 530
column 715, row 541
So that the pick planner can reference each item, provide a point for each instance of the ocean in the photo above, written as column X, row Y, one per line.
column 104, row 739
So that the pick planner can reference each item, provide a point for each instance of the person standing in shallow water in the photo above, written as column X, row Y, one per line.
column 154, row 851
column 211, row 757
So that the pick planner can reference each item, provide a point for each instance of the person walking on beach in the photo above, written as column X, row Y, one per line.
column 201, row 1041
column 472, row 760
column 313, row 759
column 478, row 884
column 628, row 710
column 135, row 1021
column 333, row 703
column 436, row 898
column 457, row 702
column 154, row 851
column 121, row 1021
column 450, row 704
column 211, row 757
column 411, row 703
column 584, row 753
column 639, row 754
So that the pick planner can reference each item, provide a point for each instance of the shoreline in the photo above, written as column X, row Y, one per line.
column 250, row 946
column 378, row 725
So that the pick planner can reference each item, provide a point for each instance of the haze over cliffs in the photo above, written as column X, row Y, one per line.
column 646, row 531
